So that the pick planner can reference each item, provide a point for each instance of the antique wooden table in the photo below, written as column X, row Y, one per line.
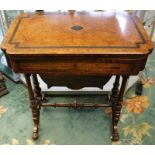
column 76, row 49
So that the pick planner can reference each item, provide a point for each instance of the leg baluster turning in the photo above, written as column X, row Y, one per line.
column 114, row 101
column 35, row 106
column 117, row 100
column 37, row 90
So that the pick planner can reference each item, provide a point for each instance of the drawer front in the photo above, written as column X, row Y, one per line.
column 78, row 68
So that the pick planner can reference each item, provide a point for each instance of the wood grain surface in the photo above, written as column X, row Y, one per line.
column 78, row 43
column 53, row 33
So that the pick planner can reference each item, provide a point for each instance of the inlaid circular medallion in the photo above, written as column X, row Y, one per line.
column 76, row 27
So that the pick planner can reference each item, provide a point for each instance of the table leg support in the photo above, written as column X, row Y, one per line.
column 37, row 90
column 117, row 101
column 35, row 106
column 114, row 101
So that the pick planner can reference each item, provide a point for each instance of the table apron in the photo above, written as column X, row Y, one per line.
column 78, row 68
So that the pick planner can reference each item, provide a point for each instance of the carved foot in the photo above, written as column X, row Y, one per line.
column 115, row 136
column 35, row 134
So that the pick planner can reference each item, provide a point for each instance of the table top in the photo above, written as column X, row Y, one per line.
column 78, row 33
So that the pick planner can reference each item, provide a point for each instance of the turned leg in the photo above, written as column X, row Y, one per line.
column 37, row 90
column 117, row 100
column 114, row 101
column 35, row 106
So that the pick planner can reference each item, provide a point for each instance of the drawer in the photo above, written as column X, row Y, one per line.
column 84, row 68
